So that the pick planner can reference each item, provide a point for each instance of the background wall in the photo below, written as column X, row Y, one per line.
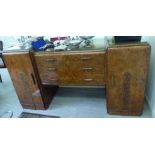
column 9, row 41
column 150, row 90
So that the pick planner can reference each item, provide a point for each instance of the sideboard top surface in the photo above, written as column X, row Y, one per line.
column 80, row 50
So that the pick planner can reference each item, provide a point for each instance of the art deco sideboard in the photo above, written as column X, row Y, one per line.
column 122, row 69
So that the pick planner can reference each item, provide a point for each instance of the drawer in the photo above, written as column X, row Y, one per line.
column 48, row 60
column 47, row 66
column 79, row 64
column 45, row 75
column 78, row 71
column 92, row 81
column 50, row 81
column 83, row 81
column 49, row 77
column 72, row 68
column 85, row 58
column 70, row 59
column 88, row 69
column 76, row 76
column 50, row 71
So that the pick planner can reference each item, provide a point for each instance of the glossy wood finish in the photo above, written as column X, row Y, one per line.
column 72, row 68
column 26, row 81
column 127, row 68
column 48, row 67
column 48, row 92
column 122, row 69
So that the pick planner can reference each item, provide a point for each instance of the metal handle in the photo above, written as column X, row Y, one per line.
column 86, row 58
column 88, row 80
column 33, row 78
column 54, row 79
column 51, row 69
column 50, row 60
column 87, row 68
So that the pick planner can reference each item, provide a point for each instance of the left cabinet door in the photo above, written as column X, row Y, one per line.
column 24, row 79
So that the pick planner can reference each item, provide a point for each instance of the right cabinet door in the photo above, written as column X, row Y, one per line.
column 127, row 68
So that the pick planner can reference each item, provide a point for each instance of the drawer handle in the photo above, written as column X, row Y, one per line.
column 86, row 58
column 87, row 68
column 54, row 79
column 51, row 69
column 88, row 80
column 50, row 60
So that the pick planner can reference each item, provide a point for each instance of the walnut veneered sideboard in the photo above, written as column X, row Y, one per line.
column 122, row 69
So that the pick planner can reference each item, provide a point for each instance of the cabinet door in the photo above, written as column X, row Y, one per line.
column 126, row 78
column 25, row 82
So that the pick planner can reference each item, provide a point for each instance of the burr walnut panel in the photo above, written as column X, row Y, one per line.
column 84, row 68
column 24, row 80
column 127, row 68
column 122, row 69
column 24, row 74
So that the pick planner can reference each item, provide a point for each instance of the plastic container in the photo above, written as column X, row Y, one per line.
column 38, row 44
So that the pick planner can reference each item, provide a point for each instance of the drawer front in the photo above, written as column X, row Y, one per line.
column 84, row 58
column 83, row 69
column 49, row 78
column 72, row 69
column 49, row 61
column 83, row 81
column 90, row 69
column 80, row 76
column 48, row 67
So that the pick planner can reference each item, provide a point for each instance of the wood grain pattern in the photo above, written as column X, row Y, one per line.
column 127, row 68
column 72, row 68
column 122, row 69
column 26, row 80
column 20, row 69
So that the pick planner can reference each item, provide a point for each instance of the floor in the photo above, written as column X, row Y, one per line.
column 68, row 102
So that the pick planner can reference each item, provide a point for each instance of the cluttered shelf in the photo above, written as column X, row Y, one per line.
column 58, row 44
column 70, row 43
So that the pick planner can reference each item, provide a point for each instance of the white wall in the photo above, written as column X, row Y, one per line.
column 150, row 89
column 9, row 41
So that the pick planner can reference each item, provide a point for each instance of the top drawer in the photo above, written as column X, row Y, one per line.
column 85, row 58
column 53, row 60
column 48, row 60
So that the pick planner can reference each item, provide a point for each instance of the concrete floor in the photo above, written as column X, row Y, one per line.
column 68, row 102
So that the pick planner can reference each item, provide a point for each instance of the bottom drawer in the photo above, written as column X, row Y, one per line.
column 73, row 80
column 83, row 82
column 50, row 82
column 91, row 81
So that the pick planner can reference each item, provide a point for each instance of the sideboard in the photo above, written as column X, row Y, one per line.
column 121, row 68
